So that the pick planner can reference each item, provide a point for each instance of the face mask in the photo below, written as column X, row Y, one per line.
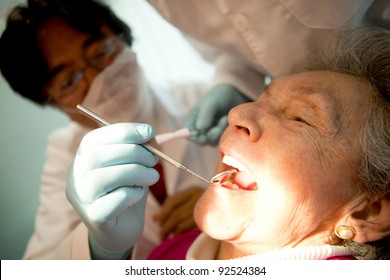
column 119, row 93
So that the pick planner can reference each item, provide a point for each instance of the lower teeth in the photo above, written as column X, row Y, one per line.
column 230, row 184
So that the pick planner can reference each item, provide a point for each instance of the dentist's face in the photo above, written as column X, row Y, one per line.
column 74, row 59
column 299, row 146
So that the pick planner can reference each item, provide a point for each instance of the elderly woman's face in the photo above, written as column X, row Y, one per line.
column 299, row 145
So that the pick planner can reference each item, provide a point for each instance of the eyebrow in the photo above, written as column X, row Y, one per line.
column 324, row 93
column 56, row 70
column 90, row 41
column 302, row 89
column 330, row 107
column 306, row 90
column 309, row 90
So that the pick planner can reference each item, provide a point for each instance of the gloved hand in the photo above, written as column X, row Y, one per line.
column 108, row 186
column 209, row 118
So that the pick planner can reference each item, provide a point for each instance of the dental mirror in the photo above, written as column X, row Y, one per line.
column 217, row 178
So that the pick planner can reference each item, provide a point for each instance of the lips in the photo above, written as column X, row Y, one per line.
column 243, row 179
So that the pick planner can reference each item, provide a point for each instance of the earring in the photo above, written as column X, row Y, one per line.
column 345, row 232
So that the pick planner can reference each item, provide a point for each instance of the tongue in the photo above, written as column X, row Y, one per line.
column 245, row 181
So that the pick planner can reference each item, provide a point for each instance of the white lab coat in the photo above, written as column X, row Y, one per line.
column 59, row 232
column 253, row 38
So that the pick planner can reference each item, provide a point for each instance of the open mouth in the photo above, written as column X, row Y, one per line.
column 242, row 179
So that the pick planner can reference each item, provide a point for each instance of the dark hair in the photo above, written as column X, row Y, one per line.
column 365, row 53
column 21, row 61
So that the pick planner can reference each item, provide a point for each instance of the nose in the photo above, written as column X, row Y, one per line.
column 242, row 119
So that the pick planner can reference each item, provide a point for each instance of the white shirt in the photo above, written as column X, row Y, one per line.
column 248, row 39
column 206, row 248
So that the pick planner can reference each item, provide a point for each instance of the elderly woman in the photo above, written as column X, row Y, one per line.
column 311, row 160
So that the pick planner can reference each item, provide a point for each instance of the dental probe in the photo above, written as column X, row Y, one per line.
column 151, row 149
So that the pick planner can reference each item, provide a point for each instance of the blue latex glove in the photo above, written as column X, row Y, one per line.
column 209, row 118
column 108, row 186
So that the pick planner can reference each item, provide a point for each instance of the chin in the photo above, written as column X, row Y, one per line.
column 216, row 221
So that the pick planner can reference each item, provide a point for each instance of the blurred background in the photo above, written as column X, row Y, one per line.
column 23, row 128
column 166, row 57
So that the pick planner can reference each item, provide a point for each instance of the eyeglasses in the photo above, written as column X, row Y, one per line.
column 70, row 81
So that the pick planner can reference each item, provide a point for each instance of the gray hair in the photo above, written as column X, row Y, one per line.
column 365, row 53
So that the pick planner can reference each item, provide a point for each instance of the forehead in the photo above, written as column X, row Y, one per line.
column 340, row 90
column 60, row 41
column 57, row 38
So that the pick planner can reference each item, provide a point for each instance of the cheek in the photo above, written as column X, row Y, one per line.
column 290, row 159
column 78, row 96
column 291, row 183
column 304, row 184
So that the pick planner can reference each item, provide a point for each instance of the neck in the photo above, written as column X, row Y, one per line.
column 319, row 252
column 228, row 250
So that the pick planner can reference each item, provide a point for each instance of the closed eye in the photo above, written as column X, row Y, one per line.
column 300, row 119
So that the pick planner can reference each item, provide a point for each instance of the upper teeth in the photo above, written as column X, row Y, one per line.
column 228, row 160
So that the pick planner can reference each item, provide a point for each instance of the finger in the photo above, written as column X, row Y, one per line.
column 100, row 182
column 171, row 203
column 178, row 216
column 206, row 116
column 108, row 207
column 185, row 225
column 214, row 134
column 190, row 120
column 200, row 138
column 181, row 209
column 188, row 197
column 108, row 155
column 120, row 133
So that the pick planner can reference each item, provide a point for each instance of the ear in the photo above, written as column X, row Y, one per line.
column 372, row 221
